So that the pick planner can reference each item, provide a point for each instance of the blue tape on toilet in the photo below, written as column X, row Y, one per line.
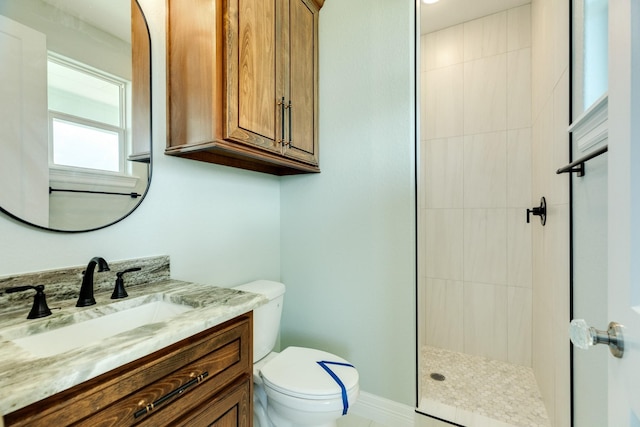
column 345, row 400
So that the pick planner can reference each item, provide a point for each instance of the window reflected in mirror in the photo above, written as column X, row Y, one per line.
column 87, row 118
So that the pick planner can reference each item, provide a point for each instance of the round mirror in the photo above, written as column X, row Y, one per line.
column 75, row 112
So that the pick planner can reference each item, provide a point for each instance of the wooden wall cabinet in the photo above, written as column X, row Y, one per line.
column 242, row 83
column 141, row 86
column 204, row 380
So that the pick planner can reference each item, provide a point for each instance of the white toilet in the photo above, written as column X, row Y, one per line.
column 298, row 387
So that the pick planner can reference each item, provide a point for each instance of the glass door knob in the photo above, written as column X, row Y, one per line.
column 584, row 336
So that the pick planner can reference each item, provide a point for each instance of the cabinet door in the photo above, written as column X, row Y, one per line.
column 254, row 85
column 234, row 409
column 302, row 81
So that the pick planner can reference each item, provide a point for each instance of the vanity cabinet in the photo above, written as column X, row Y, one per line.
column 242, row 80
column 204, row 380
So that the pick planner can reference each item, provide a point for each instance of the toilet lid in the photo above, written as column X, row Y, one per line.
column 296, row 372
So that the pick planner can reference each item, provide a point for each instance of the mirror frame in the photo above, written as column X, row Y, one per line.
column 142, row 197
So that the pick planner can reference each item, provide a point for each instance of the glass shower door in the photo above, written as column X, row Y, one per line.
column 589, row 206
column 589, row 296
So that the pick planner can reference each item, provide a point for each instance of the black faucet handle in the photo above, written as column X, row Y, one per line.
column 119, row 291
column 540, row 211
column 21, row 288
column 128, row 270
column 39, row 308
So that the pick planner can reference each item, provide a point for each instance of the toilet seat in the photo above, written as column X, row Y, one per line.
column 295, row 372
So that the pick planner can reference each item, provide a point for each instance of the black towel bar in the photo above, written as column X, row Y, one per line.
column 132, row 195
column 578, row 165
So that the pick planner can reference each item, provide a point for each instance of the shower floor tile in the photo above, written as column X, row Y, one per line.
column 478, row 391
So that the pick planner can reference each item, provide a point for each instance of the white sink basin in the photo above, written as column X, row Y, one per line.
column 56, row 341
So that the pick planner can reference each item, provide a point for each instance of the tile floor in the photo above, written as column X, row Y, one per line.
column 480, row 391
column 477, row 392
column 356, row 421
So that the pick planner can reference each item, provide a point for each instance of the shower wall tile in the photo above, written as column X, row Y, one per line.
column 421, row 173
column 444, row 106
column 485, row 320
column 428, row 48
column 425, row 118
column 485, row 245
column 444, row 48
column 557, row 241
column 519, row 27
column 560, row 17
column 422, row 244
column 485, row 94
column 560, row 135
column 444, row 314
column 519, row 248
column 443, row 174
column 542, row 154
column 473, row 39
column 519, row 325
column 519, row 88
column 562, row 377
column 543, row 360
column 485, row 36
column 485, row 170
column 444, row 243
column 550, row 76
column 421, row 312
column 541, row 274
column 475, row 183
column 519, row 168
column 545, row 42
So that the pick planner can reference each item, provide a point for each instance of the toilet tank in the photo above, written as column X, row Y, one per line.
column 266, row 318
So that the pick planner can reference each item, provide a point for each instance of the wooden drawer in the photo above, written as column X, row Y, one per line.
column 157, row 389
column 229, row 409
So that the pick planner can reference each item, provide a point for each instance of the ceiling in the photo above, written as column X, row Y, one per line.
column 446, row 13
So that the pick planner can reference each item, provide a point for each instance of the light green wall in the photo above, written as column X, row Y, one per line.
column 345, row 236
column 219, row 225
column 348, row 251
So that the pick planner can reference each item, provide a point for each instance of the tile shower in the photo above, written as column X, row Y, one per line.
column 475, row 247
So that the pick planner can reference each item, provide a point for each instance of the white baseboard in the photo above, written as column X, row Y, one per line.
column 383, row 411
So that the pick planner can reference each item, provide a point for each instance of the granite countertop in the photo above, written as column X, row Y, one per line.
column 25, row 378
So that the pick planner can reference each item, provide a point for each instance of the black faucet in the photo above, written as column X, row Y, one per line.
column 86, row 290
column 39, row 308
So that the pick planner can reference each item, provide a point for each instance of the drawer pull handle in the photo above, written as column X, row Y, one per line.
column 151, row 406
